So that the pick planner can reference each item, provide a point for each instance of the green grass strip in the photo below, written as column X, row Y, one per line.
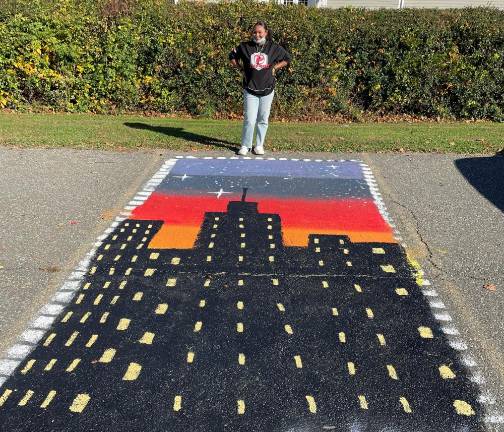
column 137, row 132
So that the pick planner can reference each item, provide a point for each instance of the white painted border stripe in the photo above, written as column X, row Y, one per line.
column 443, row 317
column 8, row 366
column 487, row 399
column 19, row 351
column 494, row 419
column 437, row 304
column 365, row 168
column 32, row 336
column 469, row 361
column 452, row 331
column 457, row 345
column 477, row 378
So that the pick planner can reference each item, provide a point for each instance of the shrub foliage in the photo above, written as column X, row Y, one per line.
column 152, row 55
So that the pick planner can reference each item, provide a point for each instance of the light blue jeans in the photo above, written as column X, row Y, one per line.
column 256, row 110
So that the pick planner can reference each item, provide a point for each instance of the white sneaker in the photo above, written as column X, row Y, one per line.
column 243, row 151
column 259, row 150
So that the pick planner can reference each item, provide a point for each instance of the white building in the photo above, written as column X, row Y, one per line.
column 391, row 4
column 394, row 4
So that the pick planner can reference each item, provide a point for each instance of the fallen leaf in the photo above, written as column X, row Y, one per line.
column 107, row 215
column 50, row 269
column 490, row 287
column 74, row 222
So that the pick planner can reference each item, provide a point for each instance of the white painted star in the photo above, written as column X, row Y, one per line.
column 182, row 177
column 219, row 193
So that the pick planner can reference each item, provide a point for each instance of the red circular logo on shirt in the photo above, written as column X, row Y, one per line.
column 259, row 61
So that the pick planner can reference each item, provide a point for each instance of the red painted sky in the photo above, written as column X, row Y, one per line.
column 338, row 214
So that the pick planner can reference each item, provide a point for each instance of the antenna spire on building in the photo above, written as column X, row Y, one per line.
column 244, row 195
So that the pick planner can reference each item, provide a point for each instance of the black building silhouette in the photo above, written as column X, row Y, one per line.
column 336, row 335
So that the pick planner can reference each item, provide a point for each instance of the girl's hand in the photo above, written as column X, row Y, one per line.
column 278, row 66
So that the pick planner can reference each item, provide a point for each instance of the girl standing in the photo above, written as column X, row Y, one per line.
column 259, row 59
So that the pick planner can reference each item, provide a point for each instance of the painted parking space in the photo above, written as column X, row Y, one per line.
column 251, row 295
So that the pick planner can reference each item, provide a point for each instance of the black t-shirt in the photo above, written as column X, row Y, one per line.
column 257, row 62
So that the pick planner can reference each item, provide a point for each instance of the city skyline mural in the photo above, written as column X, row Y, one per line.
column 247, row 295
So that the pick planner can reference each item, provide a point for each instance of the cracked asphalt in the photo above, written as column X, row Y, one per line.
column 449, row 209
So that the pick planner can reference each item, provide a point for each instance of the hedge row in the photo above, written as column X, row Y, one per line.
column 151, row 55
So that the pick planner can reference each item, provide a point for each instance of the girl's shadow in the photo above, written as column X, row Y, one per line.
column 181, row 133
column 485, row 175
